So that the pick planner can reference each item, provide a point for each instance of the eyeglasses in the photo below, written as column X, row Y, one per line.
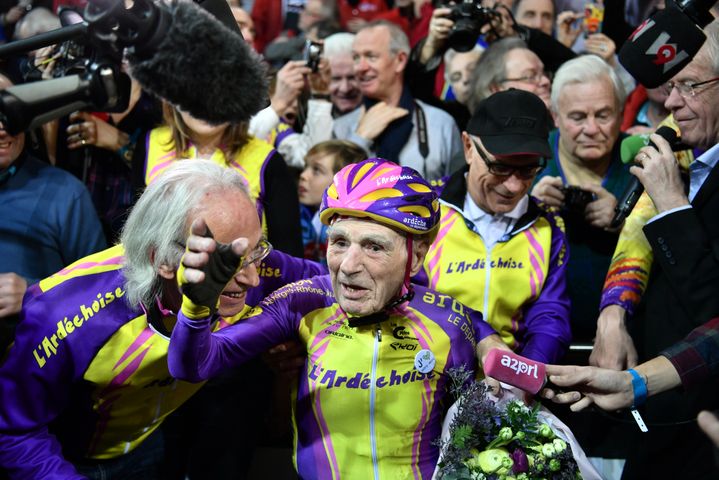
column 259, row 253
column 686, row 89
column 524, row 172
column 535, row 78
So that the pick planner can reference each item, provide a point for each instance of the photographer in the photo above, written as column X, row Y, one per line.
column 333, row 91
column 585, row 176
column 458, row 26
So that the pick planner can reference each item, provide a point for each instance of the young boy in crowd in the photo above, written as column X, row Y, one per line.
column 321, row 163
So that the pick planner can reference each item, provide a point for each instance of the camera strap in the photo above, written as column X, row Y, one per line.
column 421, row 122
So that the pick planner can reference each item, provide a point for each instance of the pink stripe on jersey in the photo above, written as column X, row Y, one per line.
column 157, row 169
column 79, row 266
column 137, row 343
column 324, row 449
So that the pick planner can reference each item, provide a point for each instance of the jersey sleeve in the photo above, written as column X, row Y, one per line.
column 547, row 318
column 196, row 354
column 35, row 381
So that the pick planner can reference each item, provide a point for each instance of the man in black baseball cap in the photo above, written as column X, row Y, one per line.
column 499, row 251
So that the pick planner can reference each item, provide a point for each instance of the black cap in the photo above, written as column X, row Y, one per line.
column 512, row 122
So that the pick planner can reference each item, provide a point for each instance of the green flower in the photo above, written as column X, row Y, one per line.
column 506, row 433
column 559, row 445
column 546, row 431
column 495, row 460
column 548, row 450
column 554, row 465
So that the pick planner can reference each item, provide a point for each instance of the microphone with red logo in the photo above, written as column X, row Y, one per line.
column 516, row 370
column 666, row 42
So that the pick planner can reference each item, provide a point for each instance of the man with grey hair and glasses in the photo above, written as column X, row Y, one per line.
column 86, row 383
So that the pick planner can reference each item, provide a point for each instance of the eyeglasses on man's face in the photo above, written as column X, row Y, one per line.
column 687, row 89
column 499, row 169
column 534, row 78
column 259, row 253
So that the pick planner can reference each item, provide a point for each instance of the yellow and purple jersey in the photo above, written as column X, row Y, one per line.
column 370, row 400
column 519, row 284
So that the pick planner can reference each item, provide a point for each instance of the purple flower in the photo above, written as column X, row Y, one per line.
column 521, row 463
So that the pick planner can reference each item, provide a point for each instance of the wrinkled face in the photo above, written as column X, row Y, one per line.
column 493, row 193
column 459, row 72
column 525, row 71
column 231, row 215
column 698, row 115
column 537, row 14
column 344, row 88
column 200, row 128
column 10, row 146
column 244, row 21
column 315, row 178
column 378, row 71
column 367, row 262
column 588, row 120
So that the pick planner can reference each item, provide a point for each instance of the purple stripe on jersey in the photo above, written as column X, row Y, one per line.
column 323, row 336
column 418, row 329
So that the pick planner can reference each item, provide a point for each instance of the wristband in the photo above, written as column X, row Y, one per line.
column 639, row 386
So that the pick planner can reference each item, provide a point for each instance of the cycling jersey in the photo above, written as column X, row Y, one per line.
column 370, row 400
column 88, row 372
column 250, row 162
column 518, row 284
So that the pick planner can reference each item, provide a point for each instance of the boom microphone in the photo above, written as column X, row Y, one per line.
column 629, row 148
column 181, row 53
column 516, row 370
column 666, row 42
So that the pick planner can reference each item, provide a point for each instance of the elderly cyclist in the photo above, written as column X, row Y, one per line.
column 370, row 398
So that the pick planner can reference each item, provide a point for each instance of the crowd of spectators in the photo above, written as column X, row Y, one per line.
column 517, row 124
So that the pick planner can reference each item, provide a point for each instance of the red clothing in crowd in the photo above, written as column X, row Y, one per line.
column 367, row 10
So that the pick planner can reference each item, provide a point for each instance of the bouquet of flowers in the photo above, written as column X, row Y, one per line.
column 488, row 440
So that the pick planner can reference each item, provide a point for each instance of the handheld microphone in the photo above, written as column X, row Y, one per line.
column 666, row 42
column 628, row 150
column 516, row 370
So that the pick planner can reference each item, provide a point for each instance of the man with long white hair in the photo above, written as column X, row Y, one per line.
column 86, row 382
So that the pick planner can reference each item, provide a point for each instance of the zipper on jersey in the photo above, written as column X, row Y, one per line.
column 372, row 395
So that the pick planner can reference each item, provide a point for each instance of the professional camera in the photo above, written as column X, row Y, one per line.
column 469, row 17
column 577, row 198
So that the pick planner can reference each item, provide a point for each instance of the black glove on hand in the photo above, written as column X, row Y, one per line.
column 200, row 300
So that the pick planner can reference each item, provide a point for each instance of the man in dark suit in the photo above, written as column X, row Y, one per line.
column 683, row 288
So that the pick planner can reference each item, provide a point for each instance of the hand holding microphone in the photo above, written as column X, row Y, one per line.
column 659, row 173
column 638, row 148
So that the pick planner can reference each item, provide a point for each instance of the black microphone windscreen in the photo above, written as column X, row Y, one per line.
column 661, row 46
column 202, row 67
